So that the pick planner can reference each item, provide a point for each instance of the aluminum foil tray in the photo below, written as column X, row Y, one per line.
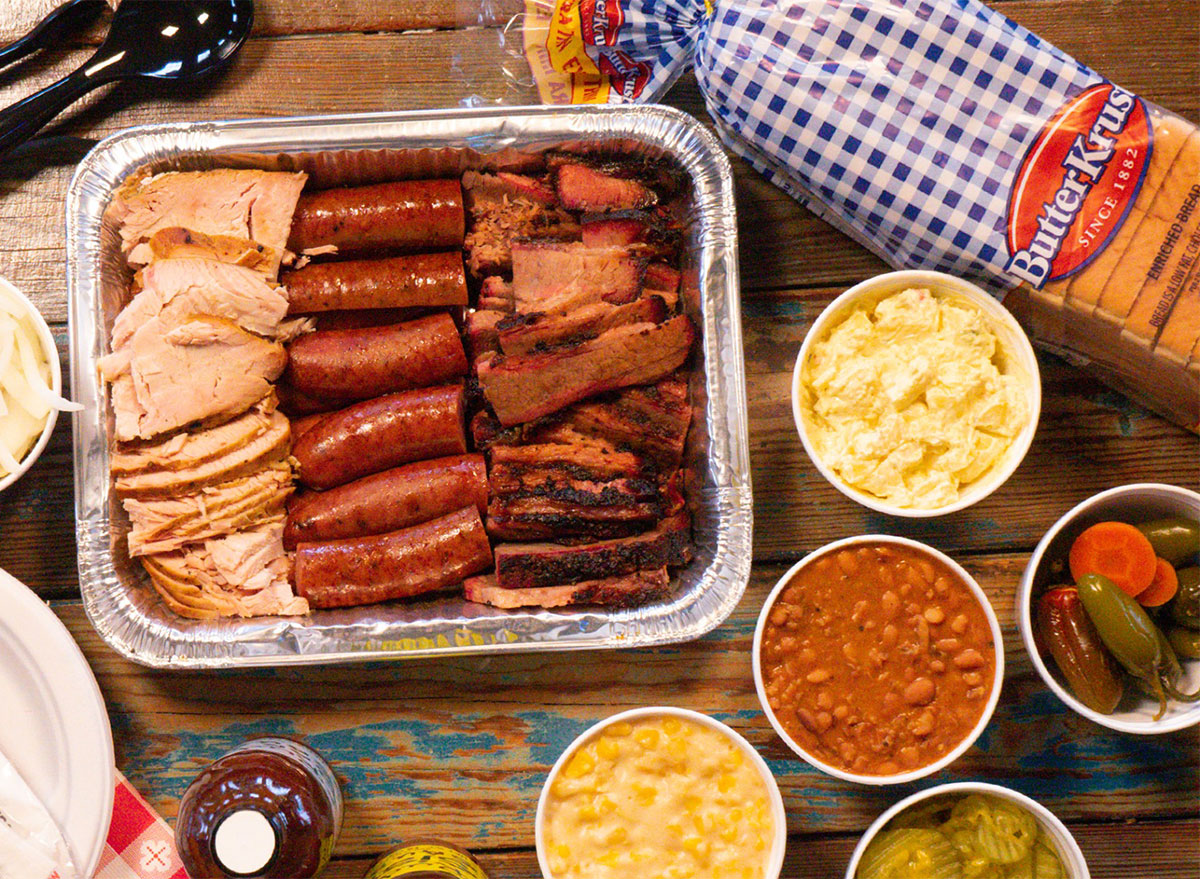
column 341, row 150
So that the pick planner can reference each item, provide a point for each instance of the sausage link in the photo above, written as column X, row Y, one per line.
column 387, row 501
column 367, row 317
column 367, row 362
column 378, row 434
column 404, row 215
column 419, row 279
column 365, row 570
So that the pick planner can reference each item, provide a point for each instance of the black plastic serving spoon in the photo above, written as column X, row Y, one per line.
column 155, row 39
column 72, row 15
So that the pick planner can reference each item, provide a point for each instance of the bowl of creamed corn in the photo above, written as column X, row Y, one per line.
column 661, row 792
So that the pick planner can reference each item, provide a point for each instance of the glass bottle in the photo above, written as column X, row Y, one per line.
column 270, row 809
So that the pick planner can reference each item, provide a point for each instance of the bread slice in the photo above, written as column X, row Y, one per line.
column 1169, row 215
column 1081, row 291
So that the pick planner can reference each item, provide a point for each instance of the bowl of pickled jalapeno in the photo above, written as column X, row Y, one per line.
column 1109, row 608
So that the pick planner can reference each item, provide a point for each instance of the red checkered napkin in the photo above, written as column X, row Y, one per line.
column 140, row 844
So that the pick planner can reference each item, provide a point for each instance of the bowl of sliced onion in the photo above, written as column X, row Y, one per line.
column 30, row 384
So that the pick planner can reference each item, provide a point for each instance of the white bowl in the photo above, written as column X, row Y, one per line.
column 51, row 351
column 1064, row 843
column 1019, row 360
column 1127, row 503
column 778, row 817
column 950, row 756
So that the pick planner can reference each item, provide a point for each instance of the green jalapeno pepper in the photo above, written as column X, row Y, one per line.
column 1185, row 606
column 1186, row 642
column 1133, row 639
column 1066, row 632
column 1175, row 539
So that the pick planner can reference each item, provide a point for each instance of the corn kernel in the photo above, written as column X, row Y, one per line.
column 759, row 843
column 563, row 851
column 671, row 726
column 581, row 764
column 617, row 836
column 696, row 845
column 606, row 806
column 726, row 783
column 698, row 821
column 588, row 813
column 729, row 834
column 732, row 760
column 609, row 859
column 736, row 815
column 620, row 729
column 645, row 794
column 647, row 738
column 608, row 749
column 675, row 828
column 677, row 750
column 692, row 802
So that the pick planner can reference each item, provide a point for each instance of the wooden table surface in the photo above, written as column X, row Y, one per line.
column 458, row 748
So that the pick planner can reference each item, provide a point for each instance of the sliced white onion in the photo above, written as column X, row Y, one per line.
column 33, row 376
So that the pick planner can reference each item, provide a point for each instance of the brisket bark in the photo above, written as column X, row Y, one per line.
column 534, row 565
column 651, row 420
column 548, row 518
column 522, row 334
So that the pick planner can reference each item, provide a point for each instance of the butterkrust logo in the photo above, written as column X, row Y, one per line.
column 1077, row 183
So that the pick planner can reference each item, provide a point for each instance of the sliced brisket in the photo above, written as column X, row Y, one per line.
column 523, row 387
column 595, row 460
column 557, row 276
column 587, row 189
column 651, row 420
column 481, row 332
column 630, row 590
column 547, row 518
column 522, row 334
column 533, row 565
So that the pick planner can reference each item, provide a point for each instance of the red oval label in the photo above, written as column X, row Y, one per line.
column 1077, row 183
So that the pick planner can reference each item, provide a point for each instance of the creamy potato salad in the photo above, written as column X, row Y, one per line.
column 907, row 401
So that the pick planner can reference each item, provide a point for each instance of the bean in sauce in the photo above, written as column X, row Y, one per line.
column 877, row 659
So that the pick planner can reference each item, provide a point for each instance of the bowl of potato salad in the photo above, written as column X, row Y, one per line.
column 916, row 393
column 662, row 792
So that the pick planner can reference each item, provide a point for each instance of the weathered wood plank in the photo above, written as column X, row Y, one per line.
column 1090, row 438
column 1113, row 851
column 463, row 744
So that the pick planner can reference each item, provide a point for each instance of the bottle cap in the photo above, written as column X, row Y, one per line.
column 244, row 843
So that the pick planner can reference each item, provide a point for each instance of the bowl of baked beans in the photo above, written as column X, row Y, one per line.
column 878, row 659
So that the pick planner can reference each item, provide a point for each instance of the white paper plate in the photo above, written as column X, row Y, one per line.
column 55, row 728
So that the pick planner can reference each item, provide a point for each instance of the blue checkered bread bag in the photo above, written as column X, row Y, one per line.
column 940, row 135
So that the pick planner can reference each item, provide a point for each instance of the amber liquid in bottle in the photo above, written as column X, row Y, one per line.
column 270, row 809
